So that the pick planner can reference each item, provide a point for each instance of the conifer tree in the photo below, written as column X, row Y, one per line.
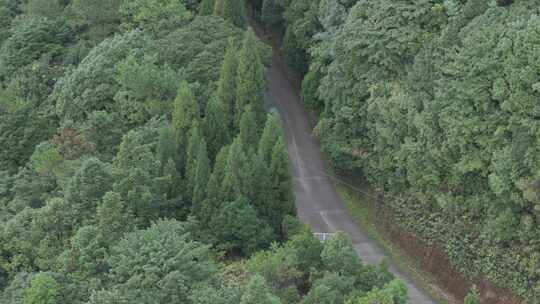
column 166, row 146
column 250, row 80
column 206, row 7
column 270, row 135
column 257, row 187
column 232, row 10
column 202, row 174
column 113, row 218
column 211, row 204
column 271, row 13
column 196, row 140
column 232, row 186
column 282, row 187
column 185, row 112
column 226, row 89
column 216, row 126
column 249, row 134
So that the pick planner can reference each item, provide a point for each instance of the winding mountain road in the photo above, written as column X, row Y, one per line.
column 318, row 202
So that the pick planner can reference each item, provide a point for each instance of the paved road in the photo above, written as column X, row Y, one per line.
column 318, row 203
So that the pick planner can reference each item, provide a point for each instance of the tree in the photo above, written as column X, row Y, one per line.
column 76, row 95
column 43, row 290
column 201, row 177
column 207, row 7
column 257, row 293
column 238, row 230
column 226, row 90
column 162, row 263
column 232, row 11
column 100, row 17
column 196, row 140
column 233, row 179
column 339, row 255
column 331, row 288
column 270, row 135
column 137, row 175
column 211, row 206
column 89, row 184
column 271, row 14
column 113, row 218
column 278, row 266
column 185, row 113
column 249, row 130
column 155, row 16
column 52, row 227
column 32, row 39
column 217, row 126
column 250, row 79
column 281, row 183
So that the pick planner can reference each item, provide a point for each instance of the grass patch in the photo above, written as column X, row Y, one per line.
column 361, row 209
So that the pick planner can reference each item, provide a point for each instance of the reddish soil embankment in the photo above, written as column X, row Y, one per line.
column 431, row 259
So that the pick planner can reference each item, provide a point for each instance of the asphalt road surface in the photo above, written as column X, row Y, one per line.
column 317, row 200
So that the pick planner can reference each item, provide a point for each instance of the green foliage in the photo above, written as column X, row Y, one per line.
column 473, row 297
column 43, row 290
column 32, row 39
column 105, row 133
column 217, row 126
column 238, row 229
column 249, row 130
column 161, row 263
column 250, row 79
column 47, row 159
column 86, row 188
column 226, row 88
column 257, row 293
column 155, row 16
column 96, row 19
column 185, row 113
column 92, row 85
column 207, row 7
column 147, row 88
column 271, row 14
column 232, row 11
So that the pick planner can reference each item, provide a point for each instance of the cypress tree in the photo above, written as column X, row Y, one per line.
column 216, row 126
column 271, row 14
column 185, row 112
column 196, row 140
column 214, row 197
column 270, row 135
column 250, row 80
column 249, row 134
column 206, row 7
column 226, row 90
column 232, row 186
column 218, row 7
column 233, row 11
column 257, row 187
column 282, row 197
column 202, row 174
column 113, row 218
column 166, row 146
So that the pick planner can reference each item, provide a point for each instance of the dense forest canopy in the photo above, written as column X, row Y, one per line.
column 436, row 103
column 138, row 163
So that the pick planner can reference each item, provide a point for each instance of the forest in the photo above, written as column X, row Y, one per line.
column 140, row 164
column 436, row 104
